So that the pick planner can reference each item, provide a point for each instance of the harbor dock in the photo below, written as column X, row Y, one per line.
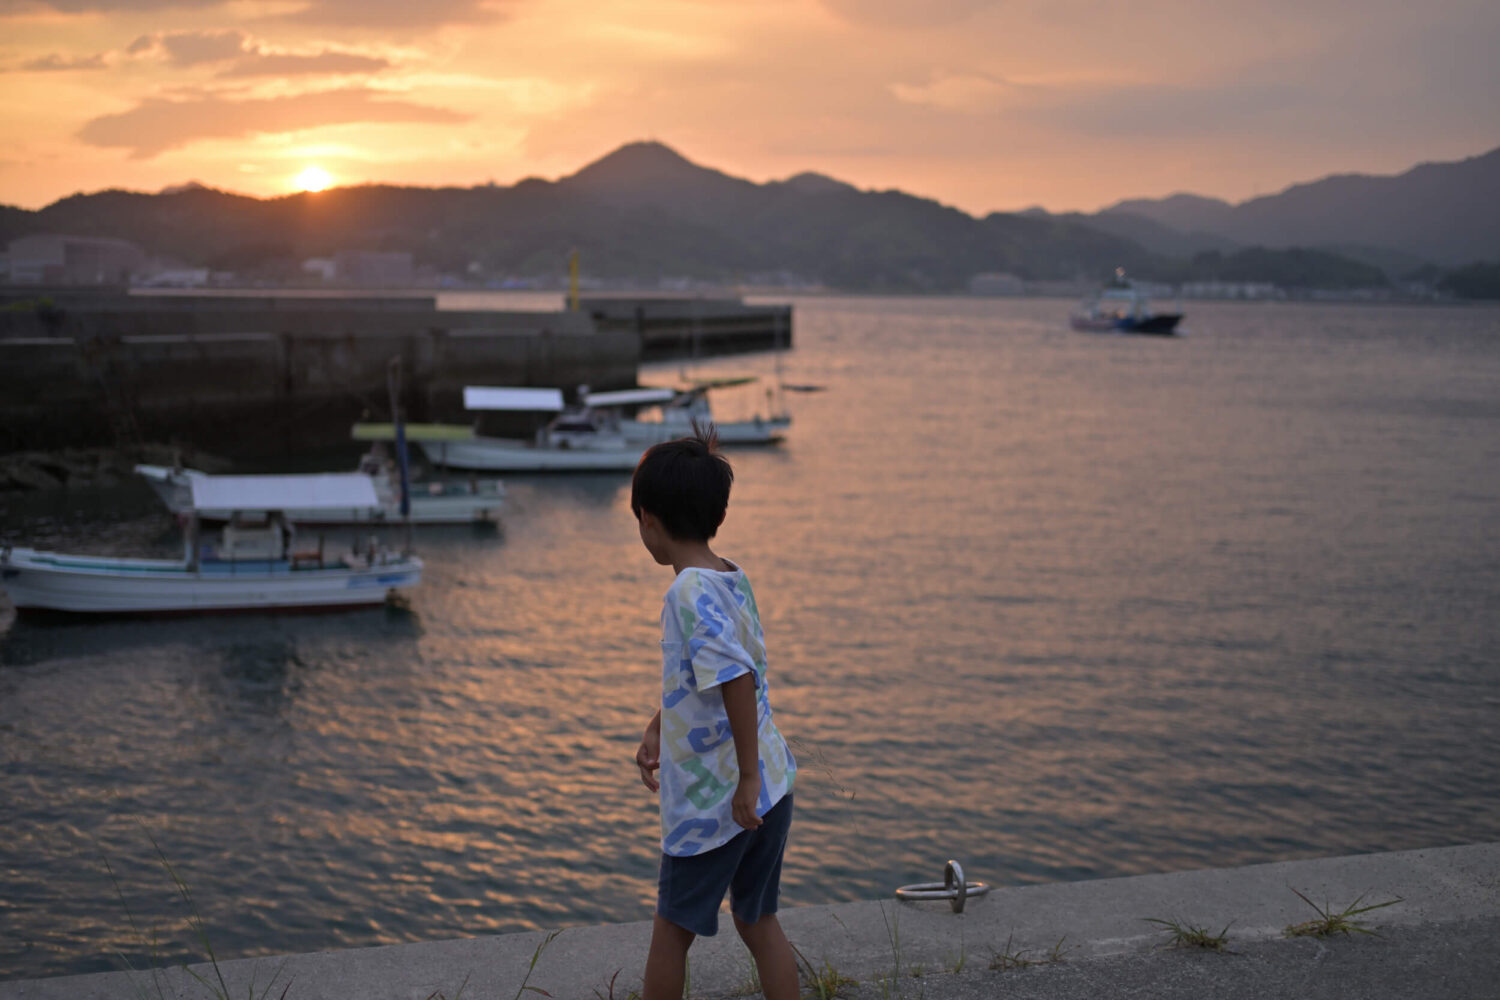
column 1049, row 942
column 278, row 375
column 673, row 327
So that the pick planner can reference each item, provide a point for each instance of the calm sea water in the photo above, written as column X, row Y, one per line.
column 1061, row 606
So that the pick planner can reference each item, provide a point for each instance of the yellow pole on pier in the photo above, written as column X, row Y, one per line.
column 573, row 281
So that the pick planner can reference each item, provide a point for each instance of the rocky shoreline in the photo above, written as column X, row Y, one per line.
column 74, row 468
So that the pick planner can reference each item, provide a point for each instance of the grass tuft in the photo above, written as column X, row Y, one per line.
column 524, row 987
column 216, row 988
column 823, row 983
column 1186, row 935
column 632, row 995
column 440, row 995
column 1329, row 922
column 1010, row 958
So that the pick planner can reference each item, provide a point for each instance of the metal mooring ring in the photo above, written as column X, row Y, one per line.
column 954, row 888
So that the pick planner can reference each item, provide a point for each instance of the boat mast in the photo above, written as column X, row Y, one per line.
column 393, row 386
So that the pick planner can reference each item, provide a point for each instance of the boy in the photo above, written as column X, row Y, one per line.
column 725, row 771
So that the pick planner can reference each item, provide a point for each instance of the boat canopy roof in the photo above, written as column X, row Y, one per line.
column 273, row 493
column 483, row 397
column 414, row 432
column 629, row 397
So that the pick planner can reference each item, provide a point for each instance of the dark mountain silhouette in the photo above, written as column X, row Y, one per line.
column 1443, row 212
column 1185, row 213
column 1155, row 236
column 643, row 211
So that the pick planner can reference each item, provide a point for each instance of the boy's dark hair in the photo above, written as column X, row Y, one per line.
column 684, row 484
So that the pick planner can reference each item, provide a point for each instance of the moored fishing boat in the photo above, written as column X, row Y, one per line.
column 691, row 406
column 253, row 565
column 433, row 502
column 585, row 438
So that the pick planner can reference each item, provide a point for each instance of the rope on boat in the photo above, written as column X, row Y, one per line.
column 954, row 888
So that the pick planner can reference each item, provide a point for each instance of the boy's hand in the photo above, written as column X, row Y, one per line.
column 746, row 794
column 648, row 758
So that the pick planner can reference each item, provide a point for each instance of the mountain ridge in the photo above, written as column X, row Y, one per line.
column 644, row 210
column 1446, row 212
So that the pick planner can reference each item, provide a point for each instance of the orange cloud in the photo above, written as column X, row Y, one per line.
column 54, row 63
column 263, row 63
column 157, row 125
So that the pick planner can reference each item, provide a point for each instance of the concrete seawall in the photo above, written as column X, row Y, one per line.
column 264, row 375
column 275, row 376
column 1449, row 894
column 670, row 328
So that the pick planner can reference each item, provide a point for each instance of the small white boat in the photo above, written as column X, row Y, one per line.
column 436, row 502
column 579, row 439
column 690, row 406
column 255, row 566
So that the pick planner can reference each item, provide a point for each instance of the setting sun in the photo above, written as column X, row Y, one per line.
column 313, row 179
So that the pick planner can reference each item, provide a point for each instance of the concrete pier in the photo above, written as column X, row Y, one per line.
column 273, row 376
column 1438, row 941
column 678, row 327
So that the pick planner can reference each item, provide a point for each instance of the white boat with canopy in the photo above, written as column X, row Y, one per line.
column 586, row 438
column 677, row 416
column 255, row 564
column 434, row 502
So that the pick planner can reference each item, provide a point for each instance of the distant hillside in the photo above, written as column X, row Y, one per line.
column 642, row 212
column 1154, row 236
column 1443, row 212
column 1185, row 213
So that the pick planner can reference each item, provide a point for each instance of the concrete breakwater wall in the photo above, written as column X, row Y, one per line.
column 692, row 327
column 265, row 376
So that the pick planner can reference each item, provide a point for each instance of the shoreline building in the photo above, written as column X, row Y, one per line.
column 52, row 259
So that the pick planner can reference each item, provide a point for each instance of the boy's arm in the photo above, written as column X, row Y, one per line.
column 648, row 754
column 743, row 711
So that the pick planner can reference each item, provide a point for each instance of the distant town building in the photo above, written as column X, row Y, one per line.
column 176, row 277
column 73, row 260
column 1259, row 290
column 996, row 283
column 374, row 268
column 322, row 268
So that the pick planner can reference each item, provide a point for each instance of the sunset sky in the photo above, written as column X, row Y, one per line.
column 1070, row 104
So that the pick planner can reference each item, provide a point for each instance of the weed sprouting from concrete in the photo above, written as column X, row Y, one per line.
column 525, row 986
column 217, row 987
column 440, row 995
column 610, row 990
column 825, row 982
column 1329, row 922
column 893, row 986
column 1186, row 935
column 751, row 986
column 1011, row 957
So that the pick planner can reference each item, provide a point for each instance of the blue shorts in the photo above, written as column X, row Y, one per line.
column 691, row 888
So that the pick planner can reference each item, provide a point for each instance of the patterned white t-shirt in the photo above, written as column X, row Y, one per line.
column 711, row 633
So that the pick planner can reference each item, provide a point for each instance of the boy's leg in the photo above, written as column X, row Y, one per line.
column 666, row 962
column 774, row 961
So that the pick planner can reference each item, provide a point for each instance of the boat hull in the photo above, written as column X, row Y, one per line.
column 50, row 581
column 500, row 455
column 1161, row 325
column 736, row 432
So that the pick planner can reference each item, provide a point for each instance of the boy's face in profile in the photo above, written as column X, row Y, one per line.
column 654, row 537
